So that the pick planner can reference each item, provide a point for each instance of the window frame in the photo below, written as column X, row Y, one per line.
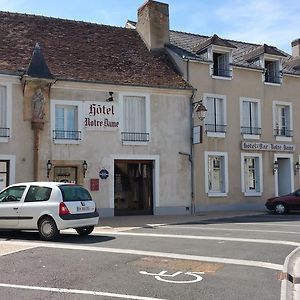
column 65, row 103
column 276, row 104
column 225, row 178
column 253, row 100
column 224, row 100
column 259, row 172
column 8, row 86
column 147, row 116
column 273, row 59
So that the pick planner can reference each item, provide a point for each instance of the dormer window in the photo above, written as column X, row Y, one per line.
column 272, row 71
column 221, row 65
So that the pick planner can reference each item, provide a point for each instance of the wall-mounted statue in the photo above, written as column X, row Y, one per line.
column 37, row 105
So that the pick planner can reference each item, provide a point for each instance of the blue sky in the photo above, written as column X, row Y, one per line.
column 274, row 22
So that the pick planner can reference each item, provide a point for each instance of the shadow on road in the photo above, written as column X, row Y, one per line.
column 62, row 238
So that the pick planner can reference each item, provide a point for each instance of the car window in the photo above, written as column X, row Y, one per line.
column 12, row 194
column 297, row 193
column 38, row 193
column 74, row 193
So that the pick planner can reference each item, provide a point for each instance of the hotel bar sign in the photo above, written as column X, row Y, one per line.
column 101, row 116
column 268, row 147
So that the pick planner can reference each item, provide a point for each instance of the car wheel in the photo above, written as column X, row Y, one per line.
column 48, row 229
column 280, row 208
column 84, row 231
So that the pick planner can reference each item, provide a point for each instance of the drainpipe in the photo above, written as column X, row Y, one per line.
column 191, row 155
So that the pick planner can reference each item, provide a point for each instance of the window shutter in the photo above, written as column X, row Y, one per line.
column 254, row 114
column 210, row 111
column 3, row 107
column 219, row 111
column 246, row 114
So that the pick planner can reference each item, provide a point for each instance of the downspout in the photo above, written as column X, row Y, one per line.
column 191, row 156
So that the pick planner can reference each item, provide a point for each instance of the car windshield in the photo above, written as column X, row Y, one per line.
column 74, row 193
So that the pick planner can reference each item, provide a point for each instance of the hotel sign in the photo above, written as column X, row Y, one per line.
column 101, row 116
column 268, row 147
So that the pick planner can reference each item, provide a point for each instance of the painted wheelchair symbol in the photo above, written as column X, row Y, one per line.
column 170, row 278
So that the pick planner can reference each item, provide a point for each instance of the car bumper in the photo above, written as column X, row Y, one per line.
column 78, row 220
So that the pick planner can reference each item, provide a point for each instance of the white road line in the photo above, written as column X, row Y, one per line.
column 241, row 262
column 73, row 291
column 267, row 224
column 200, row 237
column 228, row 229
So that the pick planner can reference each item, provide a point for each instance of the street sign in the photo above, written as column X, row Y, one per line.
column 103, row 174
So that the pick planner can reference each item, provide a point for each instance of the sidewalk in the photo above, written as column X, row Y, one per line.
column 142, row 221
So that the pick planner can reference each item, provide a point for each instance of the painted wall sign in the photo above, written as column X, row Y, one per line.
column 102, row 116
column 268, row 147
column 94, row 184
column 103, row 174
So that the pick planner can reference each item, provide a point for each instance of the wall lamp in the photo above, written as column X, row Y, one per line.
column 110, row 98
column 275, row 167
column 297, row 167
column 49, row 167
column 200, row 110
column 85, row 167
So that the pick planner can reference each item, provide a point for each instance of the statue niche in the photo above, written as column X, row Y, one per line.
column 37, row 106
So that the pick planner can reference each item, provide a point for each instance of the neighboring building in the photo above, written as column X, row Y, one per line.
column 251, row 139
column 90, row 104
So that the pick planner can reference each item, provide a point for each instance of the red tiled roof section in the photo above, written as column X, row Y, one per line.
column 83, row 51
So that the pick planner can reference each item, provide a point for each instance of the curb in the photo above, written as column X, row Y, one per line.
column 290, row 286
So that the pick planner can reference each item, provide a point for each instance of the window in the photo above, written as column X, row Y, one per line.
column 251, row 174
column 4, row 130
column 216, row 173
column 272, row 72
column 135, row 127
column 38, row 193
column 283, row 120
column 215, row 121
column 4, row 173
column 221, row 65
column 66, row 121
column 12, row 194
column 250, row 118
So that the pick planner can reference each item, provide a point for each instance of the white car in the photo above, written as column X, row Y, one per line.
column 48, row 207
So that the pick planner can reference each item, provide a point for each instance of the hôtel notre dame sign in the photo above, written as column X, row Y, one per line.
column 268, row 147
column 101, row 116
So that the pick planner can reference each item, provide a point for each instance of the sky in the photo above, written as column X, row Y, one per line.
column 272, row 22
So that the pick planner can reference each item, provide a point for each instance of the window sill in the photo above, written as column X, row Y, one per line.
column 272, row 83
column 4, row 139
column 132, row 143
column 284, row 139
column 216, row 194
column 221, row 77
column 253, row 194
column 215, row 134
column 251, row 136
column 66, row 142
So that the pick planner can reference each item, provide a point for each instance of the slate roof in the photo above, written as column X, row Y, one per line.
column 83, row 51
column 187, row 44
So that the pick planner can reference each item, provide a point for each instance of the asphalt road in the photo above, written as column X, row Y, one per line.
column 226, row 259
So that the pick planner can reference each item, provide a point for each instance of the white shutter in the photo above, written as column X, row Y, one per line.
column 3, row 107
column 246, row 114
column 210, row 119
column 254, row 114
column 219, row 111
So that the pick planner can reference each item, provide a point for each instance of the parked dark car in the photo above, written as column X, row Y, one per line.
column 285, row 203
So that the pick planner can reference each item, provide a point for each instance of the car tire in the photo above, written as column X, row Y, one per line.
column 280, row 208
column 84, row 231
column 48, row 229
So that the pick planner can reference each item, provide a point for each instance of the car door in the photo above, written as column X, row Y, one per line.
column 294, row 200
column 10, row 203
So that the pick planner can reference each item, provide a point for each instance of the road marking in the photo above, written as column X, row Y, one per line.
column 73, row 291
column 268, row 224
column 200, row 237
column 228, row 229
column 241, row 262
column 161, row 276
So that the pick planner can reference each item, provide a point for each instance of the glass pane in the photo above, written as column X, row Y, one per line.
column 59, row 118
column 3, row 166
column 3, row 107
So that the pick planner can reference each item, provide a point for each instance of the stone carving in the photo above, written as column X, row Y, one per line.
column 38, row 105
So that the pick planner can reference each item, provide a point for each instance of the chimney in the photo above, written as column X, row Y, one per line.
column 153, row 24
column 296, row 48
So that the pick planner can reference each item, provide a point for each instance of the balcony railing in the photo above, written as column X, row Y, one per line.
column 251, row 130
column 135, row 137
column 271, row 78
column 4, row 132
column 66, row 135
column 283, row 132
column 215, row 128
column 222, row 72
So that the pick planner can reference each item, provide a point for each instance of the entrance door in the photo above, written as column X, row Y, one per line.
column 133, row 187
column 65, row 174
column 284, row 176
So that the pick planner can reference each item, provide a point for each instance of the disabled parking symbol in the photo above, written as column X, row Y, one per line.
column 176, row 277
